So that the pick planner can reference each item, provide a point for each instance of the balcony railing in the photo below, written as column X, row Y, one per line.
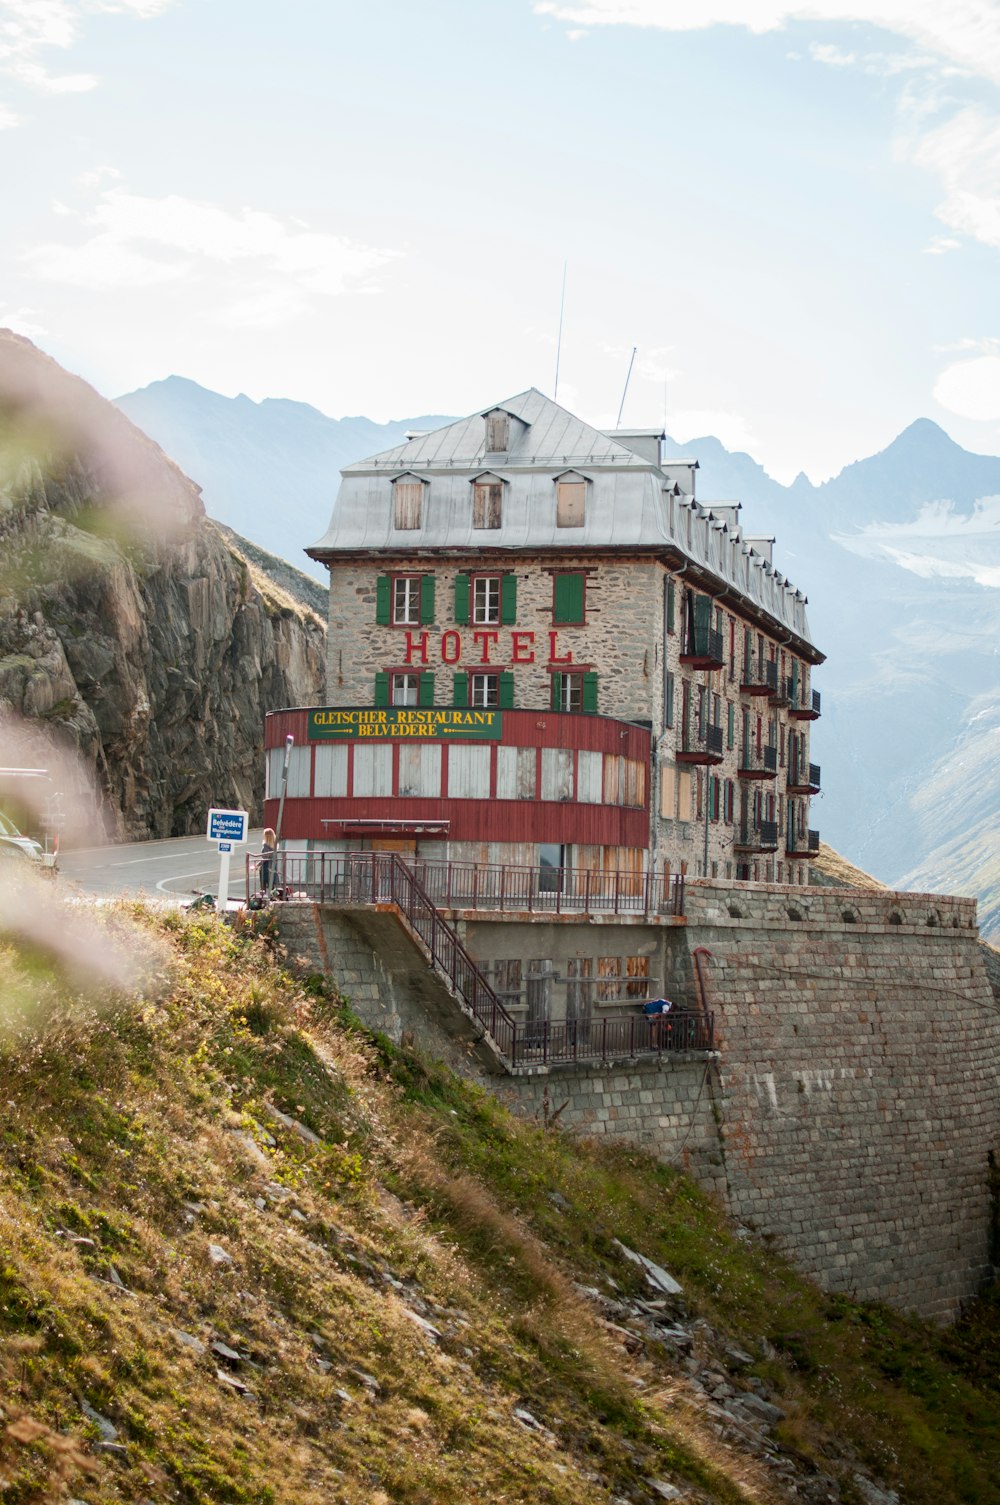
column 345, row 877
column 759, row 677
column 803, row 778
column 803, row 843
column 804, row 704
column 758, row 763
column 757, row 836
column 610, row 1039
column 702, row 747
column 702, row 649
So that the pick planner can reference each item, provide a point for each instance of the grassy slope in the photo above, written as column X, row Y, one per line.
column 135, row 1137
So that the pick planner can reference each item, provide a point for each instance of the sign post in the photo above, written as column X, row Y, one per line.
column 227, row 828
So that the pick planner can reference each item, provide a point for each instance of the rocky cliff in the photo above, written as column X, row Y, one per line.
column 130, row 629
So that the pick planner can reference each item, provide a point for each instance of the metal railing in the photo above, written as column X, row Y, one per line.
column 339, row 877
column 702, row 646
column 609, row 1039
column 803, row 778
column 759, row 677
column 805, row 704
column 758, row 762
column 802, row 843
column 383, row 878
column 757, row 836
column 705, row 746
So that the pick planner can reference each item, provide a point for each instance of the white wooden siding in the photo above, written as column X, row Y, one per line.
column 330, row 777
column 468, row 772
column 372, row 771
column 420, row 772
column 588, row 777
column 557, row 773
column 516, row 773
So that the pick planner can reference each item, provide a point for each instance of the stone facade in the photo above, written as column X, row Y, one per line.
column 851, row 1108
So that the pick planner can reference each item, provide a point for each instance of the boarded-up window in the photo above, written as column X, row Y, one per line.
column 637, row 970
column 578, row 991
column 507, row 980
column 468, row 772
column 487, row 501
column 683, row 795
column 299, row 769
column 420, row 772
column 668, row 793
column 609, row 971
column 516, row 773
column 372, row 771
column 331, row 771
column 571, row 502
column 557, row 773
column 613, row 778
column 497, row 432
column 407, row 499
column 588, row 778
column 635, row 782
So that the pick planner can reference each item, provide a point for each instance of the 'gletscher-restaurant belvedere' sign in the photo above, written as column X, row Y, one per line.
column 398, row 722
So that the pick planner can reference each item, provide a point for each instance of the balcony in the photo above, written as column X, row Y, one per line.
column 759, row 677
column 782, row 692
column 803, row 843
column 803, row 778
column 757, row 836
column 703, row 747
column 804, row 704
column 702, row 648
column 758, row 762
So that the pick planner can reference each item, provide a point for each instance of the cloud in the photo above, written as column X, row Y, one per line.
column 941, row 245
column 971, row 388
column 273, row 267
column 833, row 56
column 22, row 321
column 964, row 152
column 965, row 33
column 31, row 28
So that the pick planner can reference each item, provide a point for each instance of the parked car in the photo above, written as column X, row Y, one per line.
column 17, row 848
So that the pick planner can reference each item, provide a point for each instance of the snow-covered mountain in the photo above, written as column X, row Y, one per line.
column 899, row 555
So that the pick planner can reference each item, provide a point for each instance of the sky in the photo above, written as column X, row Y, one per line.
column 789, row 209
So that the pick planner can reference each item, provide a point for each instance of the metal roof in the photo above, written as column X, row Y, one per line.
column 631, row 503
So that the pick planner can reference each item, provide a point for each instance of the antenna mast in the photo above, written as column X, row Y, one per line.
column 625, row 393
column 562, row 305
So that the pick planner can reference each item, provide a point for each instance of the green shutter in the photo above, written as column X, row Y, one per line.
column 425, row 692
column 383, row 601
column 462, row 599
column 670, row 701
column 381, row 689
column 557, row 692
column 702, row 618
column 460, row 690
column 426, row 599
column 670, row 606
column 732, row 729
column 795, row 682
column 508, row 600
column 506, row 701
column 568, row 599
column 590, row 694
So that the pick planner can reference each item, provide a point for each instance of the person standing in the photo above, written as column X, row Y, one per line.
column 269, row 847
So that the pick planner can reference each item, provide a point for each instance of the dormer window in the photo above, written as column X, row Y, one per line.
column 571, row 500
column 487, row 502
column 497, row 432
column 407, row 502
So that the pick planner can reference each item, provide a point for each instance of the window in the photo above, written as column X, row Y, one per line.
column 487, row 503
column 575, row 692
column 485, row 690
column 407, row 502
column 402, row 687
column 637, row 969
column 551, row 862
column 497, row 432
column 485, row 598
column 571, row 501
column 569, row 597
column 404, row 600
column 405, row 689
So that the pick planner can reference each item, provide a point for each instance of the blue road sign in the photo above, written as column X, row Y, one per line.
column 228, row 825
column 225, row 846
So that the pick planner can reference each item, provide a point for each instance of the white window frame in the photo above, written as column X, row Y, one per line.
column 404, row 689
column 484, row 691
column 406, row 600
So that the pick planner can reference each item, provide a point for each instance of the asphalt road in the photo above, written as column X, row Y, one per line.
column 174, row 871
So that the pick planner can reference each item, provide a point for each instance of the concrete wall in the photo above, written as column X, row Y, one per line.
column 854, row 1102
